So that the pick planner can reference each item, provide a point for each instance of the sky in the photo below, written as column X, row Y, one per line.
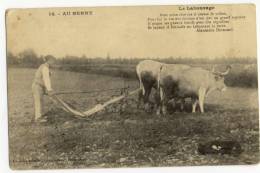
column 122, row 32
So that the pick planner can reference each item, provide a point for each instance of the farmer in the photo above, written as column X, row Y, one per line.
column 41, row 86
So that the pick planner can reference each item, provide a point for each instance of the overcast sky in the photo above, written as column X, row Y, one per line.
column 122, row 32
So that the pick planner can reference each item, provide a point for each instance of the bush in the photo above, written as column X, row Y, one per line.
column 243, row 78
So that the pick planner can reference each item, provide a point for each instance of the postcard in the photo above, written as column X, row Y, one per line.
column 132, row 86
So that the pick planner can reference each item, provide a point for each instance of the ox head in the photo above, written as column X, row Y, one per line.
column 219, row 78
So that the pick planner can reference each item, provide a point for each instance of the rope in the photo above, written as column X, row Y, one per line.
column 88, row 92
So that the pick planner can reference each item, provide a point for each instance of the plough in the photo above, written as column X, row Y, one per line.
column 93, row 110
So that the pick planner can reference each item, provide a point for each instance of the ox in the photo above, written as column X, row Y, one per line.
column 193, row 82
column 148, row 72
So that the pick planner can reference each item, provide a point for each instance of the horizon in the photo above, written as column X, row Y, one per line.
column 133, row 58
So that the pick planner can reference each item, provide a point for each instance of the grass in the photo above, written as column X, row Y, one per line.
column 122, row 135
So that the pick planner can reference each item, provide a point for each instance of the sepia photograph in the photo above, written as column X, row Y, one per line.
column 132, row 86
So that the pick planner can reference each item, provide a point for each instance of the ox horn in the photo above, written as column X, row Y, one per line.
column 222, row 73
column 227, row 71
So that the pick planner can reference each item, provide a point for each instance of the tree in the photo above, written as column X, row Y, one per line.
column 11, row 59
column 28, row 56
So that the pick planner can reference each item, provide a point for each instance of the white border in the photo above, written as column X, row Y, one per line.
column 5, row 4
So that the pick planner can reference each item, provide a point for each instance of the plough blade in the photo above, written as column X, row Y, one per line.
column 100, row 107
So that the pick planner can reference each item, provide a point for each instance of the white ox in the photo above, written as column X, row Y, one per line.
column 193, row 82
column 148, row 74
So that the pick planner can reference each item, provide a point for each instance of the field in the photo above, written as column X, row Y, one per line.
column 122, row 135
